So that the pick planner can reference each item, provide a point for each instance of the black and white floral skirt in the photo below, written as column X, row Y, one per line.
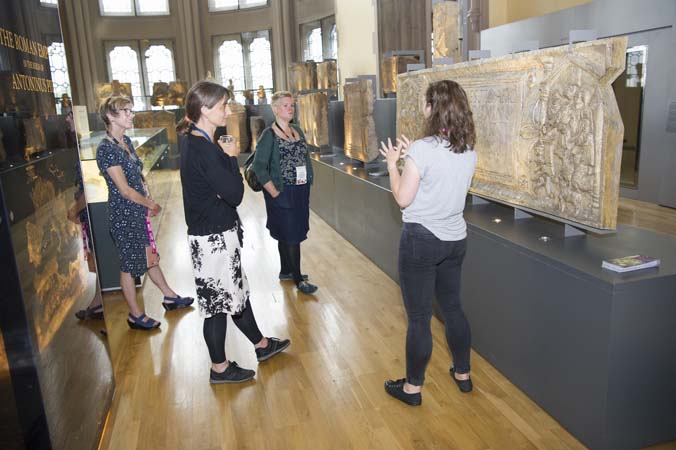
column 221, row 284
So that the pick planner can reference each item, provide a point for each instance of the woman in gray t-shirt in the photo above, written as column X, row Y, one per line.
column 431, row 191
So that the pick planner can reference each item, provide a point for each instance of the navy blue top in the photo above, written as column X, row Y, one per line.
column 212, row 187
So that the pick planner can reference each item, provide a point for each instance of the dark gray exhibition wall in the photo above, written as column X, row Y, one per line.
column 595, row 349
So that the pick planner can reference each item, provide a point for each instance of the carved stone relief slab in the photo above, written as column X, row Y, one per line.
column 236, row 126
column 105, row 90
column 302, row 76
column 257, row 125
column 393, row 66
column 549, row 132
column 327, row 75
column 313, row 114
column 445, row 28
column 360, row 131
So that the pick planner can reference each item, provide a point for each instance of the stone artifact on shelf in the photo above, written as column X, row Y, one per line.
column 105, row 90
column 257, row 125
column 262, row 98
column 302, row 76
column 177, row 92
column 393, row 66
column 445, row 26
column 236, row 125
column 34, row 134
column 549, row 132
column 160, row 95
column 361, row 141
column 327, row 75
column 313, row 115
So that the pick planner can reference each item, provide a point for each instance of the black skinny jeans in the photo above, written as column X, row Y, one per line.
column 429, row 266
column 215, row 327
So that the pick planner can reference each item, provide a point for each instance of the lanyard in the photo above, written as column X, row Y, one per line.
column 151, row 237
column 291, row 138
column 204, row 133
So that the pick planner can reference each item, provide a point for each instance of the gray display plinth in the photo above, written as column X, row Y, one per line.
column 593, row 348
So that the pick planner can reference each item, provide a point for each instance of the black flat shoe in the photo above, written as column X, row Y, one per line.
column 178, row 302
column 307, row 288
column 93, row 313
column 396, row 389
column 274, row 347
column 232, row 374
column 465, row 386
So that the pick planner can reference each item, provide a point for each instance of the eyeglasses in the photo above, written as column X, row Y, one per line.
column 127, row 111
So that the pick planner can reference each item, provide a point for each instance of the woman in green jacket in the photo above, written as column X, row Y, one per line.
column 282, row 165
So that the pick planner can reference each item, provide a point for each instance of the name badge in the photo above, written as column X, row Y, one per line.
column 301, row 175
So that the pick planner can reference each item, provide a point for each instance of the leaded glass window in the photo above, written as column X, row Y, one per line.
column 159, row 65
column 231, row 67
column 59, row 68
column 133, row 7
column 124, row 67
column 333, row 42
column 314, row 46
column 229, row 5
column 152, row 7
column 117, row 7
column 260, row 58
column 246, row 59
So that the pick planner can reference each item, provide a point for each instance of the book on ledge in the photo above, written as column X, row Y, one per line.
column 629, row 263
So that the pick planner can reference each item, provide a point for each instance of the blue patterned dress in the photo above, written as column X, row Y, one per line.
column 127, row 219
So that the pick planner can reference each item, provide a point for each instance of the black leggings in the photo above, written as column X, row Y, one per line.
column 289, row 259
column 216, row 326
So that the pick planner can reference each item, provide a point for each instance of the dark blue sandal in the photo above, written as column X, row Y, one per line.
column 139, row 324
column 178, row 302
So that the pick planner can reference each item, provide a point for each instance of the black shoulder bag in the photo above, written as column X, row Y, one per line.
column 250, row 175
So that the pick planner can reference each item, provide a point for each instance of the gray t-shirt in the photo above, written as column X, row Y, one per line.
column 445, row 178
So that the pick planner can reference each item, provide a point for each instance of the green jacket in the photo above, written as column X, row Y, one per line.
column 266, row 163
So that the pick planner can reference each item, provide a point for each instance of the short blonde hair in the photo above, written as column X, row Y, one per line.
column 277, row 96
column 113, row 105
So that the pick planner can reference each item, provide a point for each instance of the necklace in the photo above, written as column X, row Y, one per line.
column 122, row 145
column 286, row 136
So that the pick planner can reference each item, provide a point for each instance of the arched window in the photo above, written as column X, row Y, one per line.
column 159, row 65
column 59, row 68
column 134, row 7
column 260, row 58
column 229, row 5
column 230, row 66
column 333, row 42
column 246, row 59
column 314, row 45
column 124, row 67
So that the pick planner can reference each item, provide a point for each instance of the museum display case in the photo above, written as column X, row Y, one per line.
column 56, row 377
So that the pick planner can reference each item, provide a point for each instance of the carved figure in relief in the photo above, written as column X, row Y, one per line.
column 549, row 133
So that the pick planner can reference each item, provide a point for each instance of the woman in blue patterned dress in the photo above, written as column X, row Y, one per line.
column 130, row 206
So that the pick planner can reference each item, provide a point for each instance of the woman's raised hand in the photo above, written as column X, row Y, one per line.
column 393, row 153
column 227, row 144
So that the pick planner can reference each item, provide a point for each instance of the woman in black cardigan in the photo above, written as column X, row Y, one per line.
column 212, row 190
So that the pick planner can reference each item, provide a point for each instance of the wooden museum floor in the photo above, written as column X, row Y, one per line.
column 326, row 391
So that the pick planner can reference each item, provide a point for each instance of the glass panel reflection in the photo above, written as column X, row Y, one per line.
column 629, row 94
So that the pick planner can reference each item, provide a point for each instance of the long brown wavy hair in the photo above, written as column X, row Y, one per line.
column 451, row 118
column 203, row 93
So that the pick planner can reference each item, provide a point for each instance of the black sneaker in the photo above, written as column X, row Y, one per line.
column 274, row 346
column 289, row 276
column 232, row 374
column 465, row 386
column 396, row 389
column 307, row 288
